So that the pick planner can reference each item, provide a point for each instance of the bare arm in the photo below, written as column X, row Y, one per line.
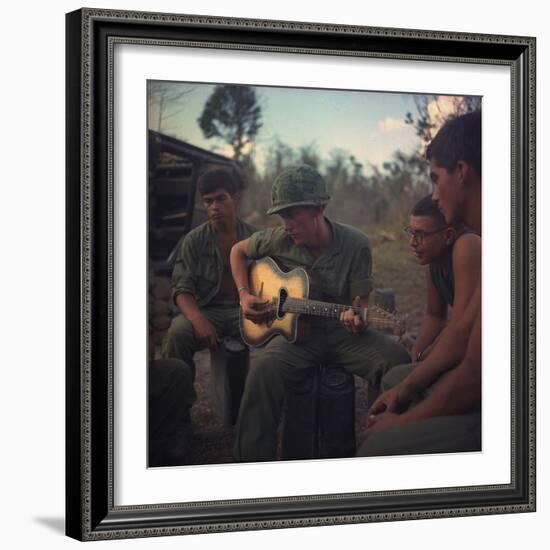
column 239, row 270
column 457, row 393
column 434, row 320
column 239, row 263
column 450, row 347
column 467, row 271
column 188, row 306
column 460, row 391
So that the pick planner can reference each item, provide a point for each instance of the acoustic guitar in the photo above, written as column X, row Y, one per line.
column 286, row 297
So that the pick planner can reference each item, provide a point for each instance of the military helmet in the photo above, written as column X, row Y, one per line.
column 299, row 185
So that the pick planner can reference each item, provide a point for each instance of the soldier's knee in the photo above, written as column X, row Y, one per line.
column 262, row 371
column 395, row 375
column 179, row 340
column 398, row 355
column 180, row 330
column 171, row 374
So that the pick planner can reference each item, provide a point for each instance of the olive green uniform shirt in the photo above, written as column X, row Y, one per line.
column 199, row 264
column 338, row 275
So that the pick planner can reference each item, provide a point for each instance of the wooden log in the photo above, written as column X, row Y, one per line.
column 161, row 322
column 160, row 307
column 162, row 288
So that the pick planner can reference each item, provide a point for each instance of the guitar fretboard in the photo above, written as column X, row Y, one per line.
column 375, row 315
column 314, row 307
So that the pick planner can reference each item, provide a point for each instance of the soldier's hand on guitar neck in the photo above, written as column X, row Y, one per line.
column 252, row 308
column 352, row 321
column 205, row 332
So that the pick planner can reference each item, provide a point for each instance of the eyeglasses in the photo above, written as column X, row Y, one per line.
column 419, row 235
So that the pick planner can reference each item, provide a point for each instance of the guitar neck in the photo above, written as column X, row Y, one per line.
column 316, row 308
column 376, row 317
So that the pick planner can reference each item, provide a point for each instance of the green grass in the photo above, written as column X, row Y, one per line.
column 394, row 266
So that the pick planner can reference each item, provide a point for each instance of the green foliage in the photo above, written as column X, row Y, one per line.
column 433, row 111
column 405, row 178
column 337, row 170
column 364, row 194
column 279, row 156
column 232, row 113
column 309, row 154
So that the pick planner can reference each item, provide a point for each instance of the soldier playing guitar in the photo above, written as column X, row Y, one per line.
column 338, row 261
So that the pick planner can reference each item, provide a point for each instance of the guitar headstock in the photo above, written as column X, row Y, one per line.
column 380, row 318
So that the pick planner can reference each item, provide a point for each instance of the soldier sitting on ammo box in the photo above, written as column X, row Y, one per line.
column 337, row 259
column 203, row 288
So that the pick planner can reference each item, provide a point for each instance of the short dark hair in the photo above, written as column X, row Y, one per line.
column 427, row 207
column 458, row 139
column 218, row 178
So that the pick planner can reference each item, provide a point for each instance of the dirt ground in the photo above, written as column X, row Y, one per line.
column 394, row 267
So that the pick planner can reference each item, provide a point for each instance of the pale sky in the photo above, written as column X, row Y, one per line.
column 370, row 125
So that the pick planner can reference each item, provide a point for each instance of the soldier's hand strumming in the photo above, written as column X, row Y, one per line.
column 254, row 308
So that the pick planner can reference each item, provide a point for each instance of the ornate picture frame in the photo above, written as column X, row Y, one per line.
column 91, row 509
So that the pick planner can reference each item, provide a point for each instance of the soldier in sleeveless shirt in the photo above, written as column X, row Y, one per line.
column 435, row 405
column 451, row 256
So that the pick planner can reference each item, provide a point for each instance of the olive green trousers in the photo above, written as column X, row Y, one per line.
column 181, row 343
column 369, row 355
column 442, row 434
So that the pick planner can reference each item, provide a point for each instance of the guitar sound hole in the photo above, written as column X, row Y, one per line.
column 283, row 294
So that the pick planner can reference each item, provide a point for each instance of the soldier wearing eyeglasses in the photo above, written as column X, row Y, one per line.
column 451, row 256
column 435, row 406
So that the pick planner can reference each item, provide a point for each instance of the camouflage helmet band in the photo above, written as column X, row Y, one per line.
column 298, row 186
